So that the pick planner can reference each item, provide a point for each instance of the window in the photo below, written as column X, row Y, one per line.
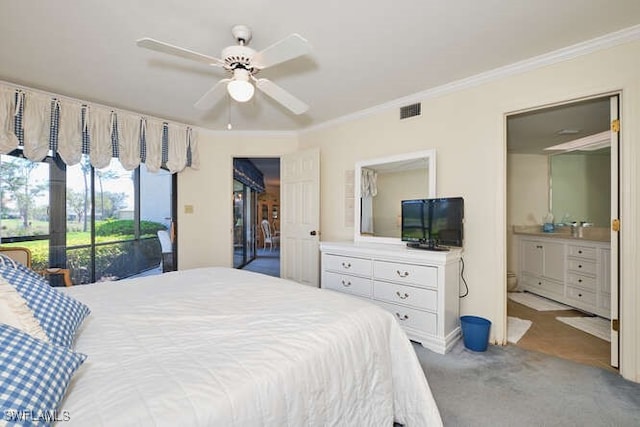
column 102, row 224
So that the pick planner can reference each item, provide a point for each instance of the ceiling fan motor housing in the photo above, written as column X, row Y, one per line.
column 238, row 57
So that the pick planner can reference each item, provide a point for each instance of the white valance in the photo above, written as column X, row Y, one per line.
column 46, row 123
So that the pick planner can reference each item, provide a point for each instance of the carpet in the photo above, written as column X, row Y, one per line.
column 596, row 326
column 508, row 386
column 536, row 302
column 516, row 328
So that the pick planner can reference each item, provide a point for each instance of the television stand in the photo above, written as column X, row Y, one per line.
column 427, row 247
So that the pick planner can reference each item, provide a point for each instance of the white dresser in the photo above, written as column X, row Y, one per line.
column 421, row 288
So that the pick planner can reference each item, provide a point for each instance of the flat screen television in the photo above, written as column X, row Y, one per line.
column 433, row 223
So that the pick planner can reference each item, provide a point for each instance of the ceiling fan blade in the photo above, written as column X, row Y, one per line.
column 282, row 96
column 286, row 49
column 212, row 96
column 163, row 47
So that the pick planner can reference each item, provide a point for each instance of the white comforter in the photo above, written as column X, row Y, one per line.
column 223, row 347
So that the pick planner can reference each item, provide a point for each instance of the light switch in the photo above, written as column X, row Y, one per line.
column 188, row 209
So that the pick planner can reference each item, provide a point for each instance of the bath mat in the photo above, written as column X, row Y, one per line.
column 516, row 328
column 596, row 326
column 536, row 302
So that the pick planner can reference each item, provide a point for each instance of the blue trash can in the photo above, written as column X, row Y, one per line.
column 475, row 332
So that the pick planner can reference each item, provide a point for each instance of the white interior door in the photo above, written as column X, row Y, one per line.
column 300, row 201
column 615, row 202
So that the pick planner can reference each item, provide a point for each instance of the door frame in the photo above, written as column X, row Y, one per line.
column 616, row 254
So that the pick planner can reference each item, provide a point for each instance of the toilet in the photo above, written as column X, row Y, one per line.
column 512, row 281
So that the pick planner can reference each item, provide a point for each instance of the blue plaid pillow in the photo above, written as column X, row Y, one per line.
column 34, row 378
column 58, row 314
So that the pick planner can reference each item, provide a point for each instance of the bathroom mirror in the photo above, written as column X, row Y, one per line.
column 580, row 186
column 379, row 187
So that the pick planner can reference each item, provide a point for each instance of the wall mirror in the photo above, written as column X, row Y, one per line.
column 379, row 187
column 580, row 186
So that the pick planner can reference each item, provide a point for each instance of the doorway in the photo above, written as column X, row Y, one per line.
column 585, row 169
column 257, row 213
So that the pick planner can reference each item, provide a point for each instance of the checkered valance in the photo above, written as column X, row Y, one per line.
column 43, row 124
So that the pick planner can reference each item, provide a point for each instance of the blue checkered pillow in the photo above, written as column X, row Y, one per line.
column 34, row 377
column 58, row 314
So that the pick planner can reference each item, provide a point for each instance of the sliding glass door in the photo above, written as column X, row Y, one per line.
column 244, row 208
column 101, row 224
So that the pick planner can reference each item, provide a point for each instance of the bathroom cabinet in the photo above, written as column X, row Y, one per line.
column 573, row 272
column 419, row 287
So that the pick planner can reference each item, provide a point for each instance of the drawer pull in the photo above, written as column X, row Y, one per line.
column 579, row 280
column 402, row 296
column 346, row 284
column 539, row 283
column 403, row 273
column 538, row 247
column 402, row 317
column 580, row 295
column 346, row 265
column 579, row 252
column 579, row 265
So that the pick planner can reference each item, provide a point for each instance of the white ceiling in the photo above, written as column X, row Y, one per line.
column 533, row 131
column 365, row 53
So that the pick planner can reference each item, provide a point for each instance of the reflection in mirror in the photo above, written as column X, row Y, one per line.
column 580, row 186
column 380, row 186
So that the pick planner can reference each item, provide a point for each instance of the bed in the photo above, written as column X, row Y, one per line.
column 225, row 347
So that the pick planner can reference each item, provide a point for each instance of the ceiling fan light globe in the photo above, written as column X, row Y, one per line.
column 241, row 91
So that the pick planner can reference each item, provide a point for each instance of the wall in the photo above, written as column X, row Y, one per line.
column 467, row 129
column 527, row 196
column 205, row 236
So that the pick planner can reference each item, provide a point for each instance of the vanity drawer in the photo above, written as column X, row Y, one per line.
column 345, row 283
column 585, row 252
column 587, row 267
column 425, row 299
column 422, row 321
column 406, row 273
column 585, row 297
column 588, row 282
column 543, row 285
column 351, row 265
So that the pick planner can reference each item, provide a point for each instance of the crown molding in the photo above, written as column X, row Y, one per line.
column 610, row 40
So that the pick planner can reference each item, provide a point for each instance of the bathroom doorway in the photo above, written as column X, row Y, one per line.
column 573, row 184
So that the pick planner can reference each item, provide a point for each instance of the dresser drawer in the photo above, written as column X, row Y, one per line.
column 587, row 267
column 575, row 279
column 585, row 252
column 585, row 297
column 345, row 283
column 422, row 321
column 425, row 299
column 344, row 264
column 406, row 273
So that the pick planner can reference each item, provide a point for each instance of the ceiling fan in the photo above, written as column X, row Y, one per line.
column 243, row 63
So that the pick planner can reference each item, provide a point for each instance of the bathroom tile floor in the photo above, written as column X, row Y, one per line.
column 550, row 336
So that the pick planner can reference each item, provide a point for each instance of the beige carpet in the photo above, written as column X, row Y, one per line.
column 596, row 326
column 536, row 302
column 516, row 328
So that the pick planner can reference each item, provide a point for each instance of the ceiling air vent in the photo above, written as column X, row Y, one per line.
column 409, row 111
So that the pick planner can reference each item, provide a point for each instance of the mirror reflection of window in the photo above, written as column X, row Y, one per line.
column 391, row 179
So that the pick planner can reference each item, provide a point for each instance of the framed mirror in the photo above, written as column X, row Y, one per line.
column 379, row 187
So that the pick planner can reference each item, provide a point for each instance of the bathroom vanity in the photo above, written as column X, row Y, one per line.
column 572, row 270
